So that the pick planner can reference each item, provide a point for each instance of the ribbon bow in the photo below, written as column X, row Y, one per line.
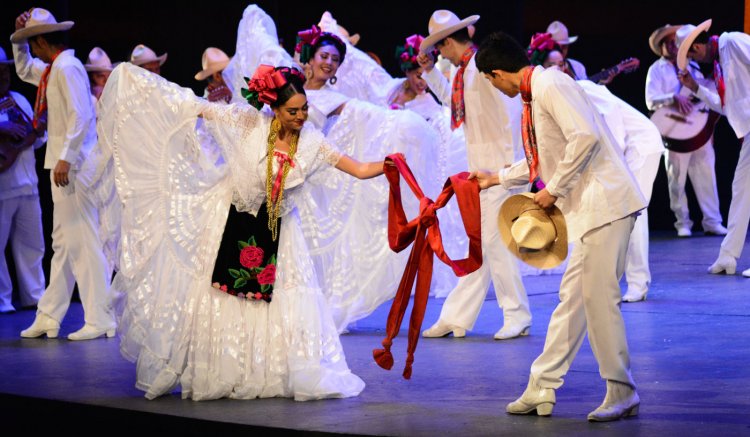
column 424, row 232
column 307, row 37
column 265, row 82
column 415, row 41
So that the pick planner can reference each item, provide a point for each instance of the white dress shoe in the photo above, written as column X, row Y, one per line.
column 724, row 264
column 89, row 332
column 633, row 295
column 621, row 401
column 746, row 273
column 441, row 329
column 43, row 324
column 684, row 232
column 534, row 399
column 716, row 230
column 511, row 331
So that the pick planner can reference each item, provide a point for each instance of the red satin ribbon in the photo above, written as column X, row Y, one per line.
column 309, row 36
column 424, row 232
column 265, row 82
column 281, row 158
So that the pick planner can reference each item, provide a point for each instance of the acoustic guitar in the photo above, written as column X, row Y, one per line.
column 10, row 147
column 684, row 133
column 625, row 66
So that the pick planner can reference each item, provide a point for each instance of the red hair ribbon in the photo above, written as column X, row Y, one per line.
column 265, row 81
column 309, row 36
column 424, row 232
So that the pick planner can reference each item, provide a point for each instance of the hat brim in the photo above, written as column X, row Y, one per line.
column 203, row 74
column 570, row 40
column 99, row 68
column 682, row 51
column 27, row 32
column 429, row 42
column 162, row 59
column 548, row 258
column 654, row 41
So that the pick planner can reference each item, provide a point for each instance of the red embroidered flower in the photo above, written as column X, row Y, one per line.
column 241, row 295
column 223, row 288
column 258, row 296
column 268, row 275
column 251, row 257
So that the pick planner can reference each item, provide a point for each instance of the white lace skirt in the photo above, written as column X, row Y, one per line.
column 242, row 349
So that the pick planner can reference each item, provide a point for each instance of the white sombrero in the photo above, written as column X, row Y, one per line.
column 442, row 24
column 40, row 22
column 98, row 61
column 559, row 33
column 143, row 55
column 213, row 60
column 537, row 237
column 654, row 41
column 684, row 40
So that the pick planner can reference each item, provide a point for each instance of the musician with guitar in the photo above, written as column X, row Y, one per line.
column 64, row 96
column 690, row 153
column 20, row 211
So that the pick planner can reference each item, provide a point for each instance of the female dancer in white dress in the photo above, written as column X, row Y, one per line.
column 176, row 193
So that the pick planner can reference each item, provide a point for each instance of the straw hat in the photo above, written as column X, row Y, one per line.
column 684, row 40
column 41, row 21
column 4, row 58
column 213, row 60
column 442, row 24
column 143, row 55
column 560, row 33
column 654, row 41
column 98, row 61
column 538, row 238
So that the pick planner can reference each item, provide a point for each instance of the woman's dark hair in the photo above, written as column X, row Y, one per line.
column 294, row 85
column 329, row 39
column 295, row 82
column 500, row 51
column 56, row 39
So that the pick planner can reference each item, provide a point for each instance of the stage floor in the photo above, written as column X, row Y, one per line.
column 688, row 343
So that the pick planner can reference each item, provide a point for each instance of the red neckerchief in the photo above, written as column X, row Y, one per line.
column 458, row 110
column 718, row 74
column 424, row 232
column 527, row 130
column 40, row 105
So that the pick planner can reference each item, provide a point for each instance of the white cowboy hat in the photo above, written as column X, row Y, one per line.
column 143, row 55
column 560, row 33
column 41, row 21
column 98, row 61
column 537, row 237
column 684, row 40
column 213, row 60
column 654, row 41
column 444, row 23
column 4, row 58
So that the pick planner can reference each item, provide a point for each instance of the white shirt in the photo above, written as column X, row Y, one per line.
column 71, row 122
column 20, row 179
column 492, row 124
column 578, row 69
column 734, row 57
column 637, row 136
column 662, row 83
column 579, row 159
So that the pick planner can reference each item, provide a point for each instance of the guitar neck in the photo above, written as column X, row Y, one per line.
column 604, row 74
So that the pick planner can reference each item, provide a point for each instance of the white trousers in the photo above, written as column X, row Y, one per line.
column 21, row 226
column 637, row 272
column 462, row 306
column 77, row 257
column 699, row 166
column 589, row 300
column 739, row 209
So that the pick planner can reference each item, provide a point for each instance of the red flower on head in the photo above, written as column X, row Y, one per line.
column 268, row 275
column 251, row 256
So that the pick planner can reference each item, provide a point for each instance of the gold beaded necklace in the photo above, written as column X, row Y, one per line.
column 274, row 207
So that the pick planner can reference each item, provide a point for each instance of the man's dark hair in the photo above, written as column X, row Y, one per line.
column 55, row 39
column 702, row 38
column 500, row 51
column 460, row 36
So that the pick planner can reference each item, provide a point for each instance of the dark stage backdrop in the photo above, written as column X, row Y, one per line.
column 608, row 32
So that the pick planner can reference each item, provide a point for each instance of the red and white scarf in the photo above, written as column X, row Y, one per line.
column 40, row 105
column 718, row 74
column 458, row 109
column 528, row 134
